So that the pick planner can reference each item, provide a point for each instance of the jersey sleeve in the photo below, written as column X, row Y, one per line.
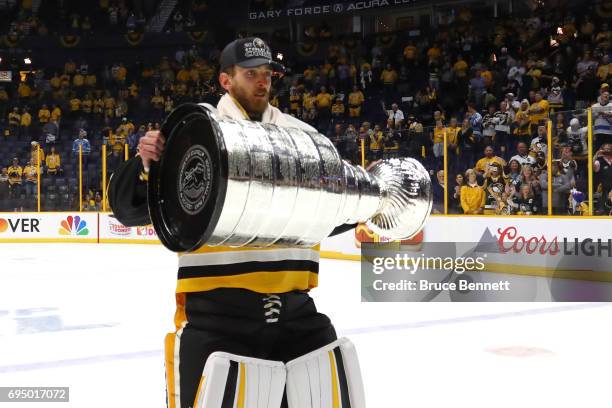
column 127, row 194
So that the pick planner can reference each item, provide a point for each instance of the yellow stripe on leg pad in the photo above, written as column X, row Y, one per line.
column 241, row 386
column 334, row 376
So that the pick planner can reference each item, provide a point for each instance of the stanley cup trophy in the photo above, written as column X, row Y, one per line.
column 222, row 181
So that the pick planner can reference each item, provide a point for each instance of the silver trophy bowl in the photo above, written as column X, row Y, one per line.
column 229, row 182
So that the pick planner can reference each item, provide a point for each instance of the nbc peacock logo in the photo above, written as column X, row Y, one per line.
column 73, row 226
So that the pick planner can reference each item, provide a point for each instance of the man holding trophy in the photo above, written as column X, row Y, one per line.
column 245, row 193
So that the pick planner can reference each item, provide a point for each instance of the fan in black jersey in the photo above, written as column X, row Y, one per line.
column 495, row 187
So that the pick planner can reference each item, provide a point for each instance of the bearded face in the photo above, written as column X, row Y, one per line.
column 251, row 87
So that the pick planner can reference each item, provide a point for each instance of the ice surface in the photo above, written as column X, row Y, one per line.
column 93, row 317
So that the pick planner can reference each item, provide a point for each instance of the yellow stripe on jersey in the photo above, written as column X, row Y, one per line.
column 261, row 282
column 180, row 316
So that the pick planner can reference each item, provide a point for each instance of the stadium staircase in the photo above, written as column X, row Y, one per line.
column 159, row 20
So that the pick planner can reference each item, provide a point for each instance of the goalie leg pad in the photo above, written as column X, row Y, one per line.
column 326, row 378
column 230, row 380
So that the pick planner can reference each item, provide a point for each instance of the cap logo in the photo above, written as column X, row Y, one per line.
column 257, row 48
column 258, row 42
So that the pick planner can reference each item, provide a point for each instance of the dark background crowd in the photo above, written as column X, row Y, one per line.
column 474, row 90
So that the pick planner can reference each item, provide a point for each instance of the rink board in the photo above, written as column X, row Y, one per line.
column 516, row 232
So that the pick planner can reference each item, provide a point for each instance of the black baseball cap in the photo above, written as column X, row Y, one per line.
column 248, row 53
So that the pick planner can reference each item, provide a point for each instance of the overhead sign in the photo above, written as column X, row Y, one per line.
column 324, row 7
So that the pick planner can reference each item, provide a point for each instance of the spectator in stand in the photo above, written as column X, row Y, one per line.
column 337, row 137
column 388, row 77
column 365, row 75
column 376, row 140
column 502, row 122
column 397, row 116
column 323, row 104
column 87, row 105
column 586, row 88
column 454, row 202
column 134, row 138
column 539, row 143
column 468, row 145
column 15, row 174
column 483, row 165
column 540, row 164
column 513, row 176
column 604, row 70
column 109, row 105
column 310, row 117
column 555, row 97
column 391, row 141
column 25, row 123
column 168, row 105
column 452, row 141
column 488, row 126
column 472, row 196
column 4, row 187
column 568, row 164
column 117, row 140
column 14, row 121
column 602, row 167
column 53, row 162
column 56, row 113
column 602, row 120
column 529, row 177
column 24, row 91
column 526, row 203
column 477, row 88
column 438, row 140
column 81, row 144
column 343, row 74
column 44, row 115
column 98, row 201
column 522, row 156
column 98, row 108
column 475, row 120
column 355, row 102
column 51, row 131
column 337, row 110
column 36, row 152
column 522, row 125
column 561, row 187
column 75, row 106
column 410, row 55
column 351, row 149
column 494, row 187
column 576, row 137
column 78, row 124
column 438, row 193
column 538, row 111
column 30, row 173
column 294, row 101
